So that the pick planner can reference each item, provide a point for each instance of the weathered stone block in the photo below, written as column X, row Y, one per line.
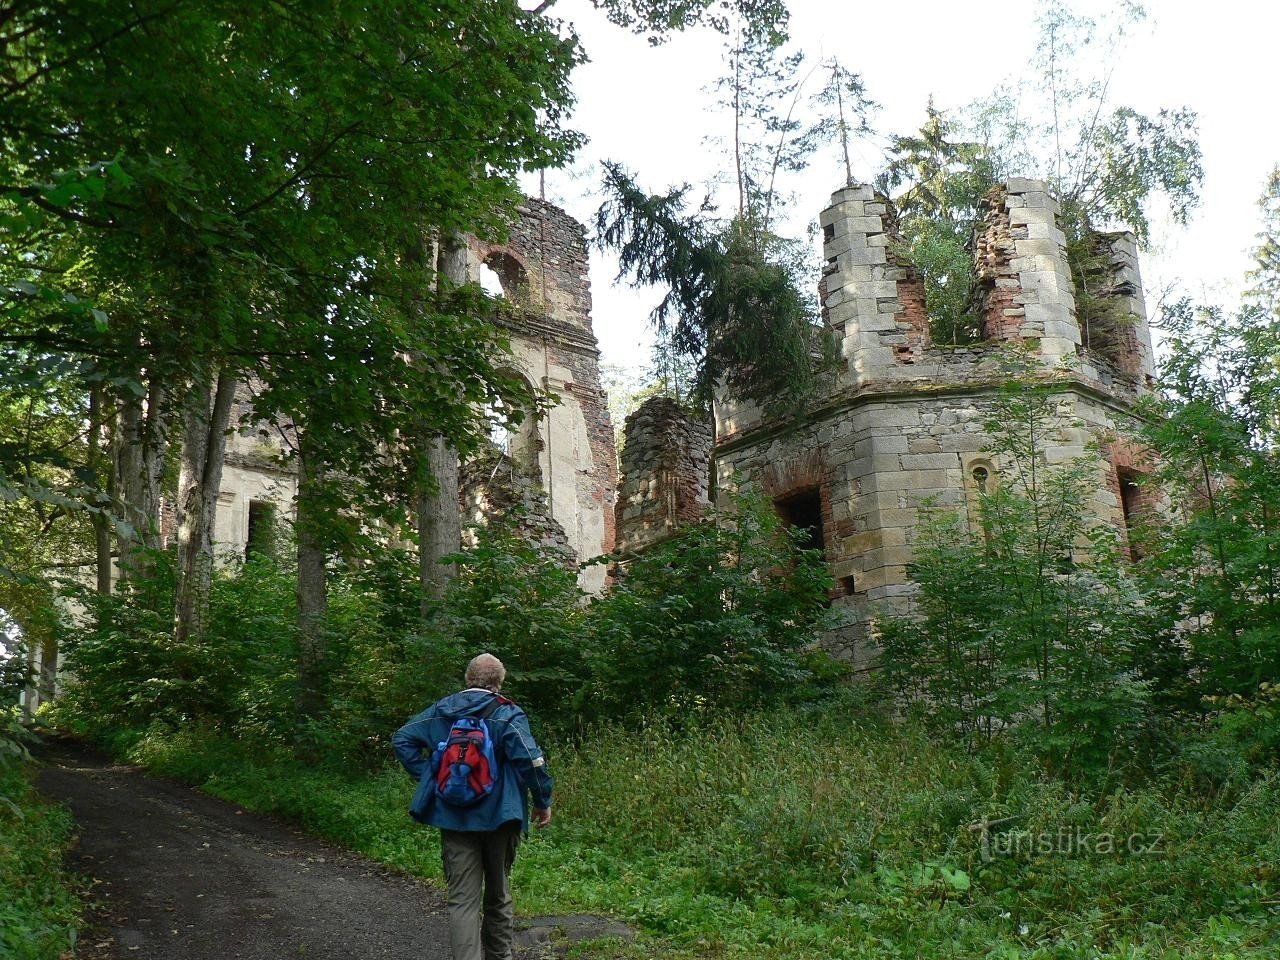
column 1046, row 231
column 928, row 461
column 963, row 442
column 903, row 518
column 861, row 543
column 889, row 416
column 840, row 211
column 873, row 464
column 882, row 556
column 870, row 255
column 865, row 224
column 1025, row 185
column 912, row 480
column 882, row 577
column 880, row 443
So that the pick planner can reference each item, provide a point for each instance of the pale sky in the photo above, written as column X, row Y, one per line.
column 647, row 108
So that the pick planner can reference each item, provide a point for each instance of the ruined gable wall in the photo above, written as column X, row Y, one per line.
column 543, row 265
column 555, row 348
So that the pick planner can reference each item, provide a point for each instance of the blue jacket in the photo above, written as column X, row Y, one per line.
column 521, row 765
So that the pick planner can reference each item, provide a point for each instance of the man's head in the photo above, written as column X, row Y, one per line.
column 486, row 671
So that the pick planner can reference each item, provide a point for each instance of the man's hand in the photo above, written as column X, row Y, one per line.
column 541, row 818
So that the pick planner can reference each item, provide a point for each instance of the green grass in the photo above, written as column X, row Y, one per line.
column 823, row 835
column 39, row 909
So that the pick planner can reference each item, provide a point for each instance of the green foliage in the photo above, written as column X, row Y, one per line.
column 1266, row 271
column 1028, row 620
column 198, row 189
column 522, row 603
column 39, row 909
column 137, row 674
column 1106, row 164
column 734, row 301
column 717, row 617
column 937, row 182
column 737, row 306
column 1214, row 565
column 658, row 19
column 816, row 833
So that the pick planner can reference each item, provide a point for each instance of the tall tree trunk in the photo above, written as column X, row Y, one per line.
column 101, row 522
column 312, row 587
column 204, row 427
column 30, row 684
column 141, row 441
column 439, row 513
column 439, row 519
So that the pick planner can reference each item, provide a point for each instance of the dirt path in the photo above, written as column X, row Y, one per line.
column 182, row 876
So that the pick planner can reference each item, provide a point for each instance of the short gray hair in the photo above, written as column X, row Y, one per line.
column 486, row 671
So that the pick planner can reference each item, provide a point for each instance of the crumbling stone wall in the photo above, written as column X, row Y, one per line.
column 902, row 423
column 1119, row 352
column 666, row 461
column 556, row 350
column 494, row 489
column 912, row 317
column 1023, row 278
column 549, row 248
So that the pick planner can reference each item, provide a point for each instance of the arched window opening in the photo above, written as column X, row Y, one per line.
column 803, row 510
column 499, row 426
column 490, row 283
column 521, row 443
column 1133, row 502
column 981, row 479
column 502, row 275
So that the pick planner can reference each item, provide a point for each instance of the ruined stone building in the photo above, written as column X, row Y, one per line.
column 900, row 423
column 555, row 475
column 902, row 420
column 557, row 471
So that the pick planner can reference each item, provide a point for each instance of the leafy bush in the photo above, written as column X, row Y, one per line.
column 1028, row 620
column 39, row 911
column 719, row 616
column 1214, row 564
column 521, row 602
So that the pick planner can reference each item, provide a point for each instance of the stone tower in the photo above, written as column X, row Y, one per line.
column 902, row 420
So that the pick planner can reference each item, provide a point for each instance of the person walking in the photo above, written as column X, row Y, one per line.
column 476, row 763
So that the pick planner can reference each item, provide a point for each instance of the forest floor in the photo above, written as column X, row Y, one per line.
column 179, row 875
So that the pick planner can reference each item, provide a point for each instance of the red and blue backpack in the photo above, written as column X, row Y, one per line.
column 465, row 765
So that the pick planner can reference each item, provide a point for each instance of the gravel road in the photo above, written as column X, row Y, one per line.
column 183, row 876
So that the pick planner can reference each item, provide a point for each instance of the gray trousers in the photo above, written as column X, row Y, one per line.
column 477, row 867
